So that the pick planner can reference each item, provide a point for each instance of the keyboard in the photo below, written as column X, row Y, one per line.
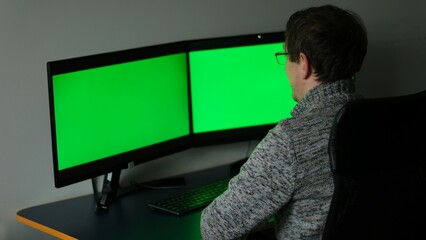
column 193, row 199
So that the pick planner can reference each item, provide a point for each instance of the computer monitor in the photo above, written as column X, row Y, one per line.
column 238, row 91
column 111, row 109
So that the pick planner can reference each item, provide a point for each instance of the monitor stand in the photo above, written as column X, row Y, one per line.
column 112, row 190
column 109, row 192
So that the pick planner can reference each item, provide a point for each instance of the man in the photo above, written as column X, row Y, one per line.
column 288, row 175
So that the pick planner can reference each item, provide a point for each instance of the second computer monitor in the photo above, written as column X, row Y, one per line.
column 238, row 90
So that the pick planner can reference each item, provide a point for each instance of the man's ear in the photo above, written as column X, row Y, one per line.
column 305, row 66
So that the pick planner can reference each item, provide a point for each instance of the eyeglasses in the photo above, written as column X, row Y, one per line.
column 281, row 57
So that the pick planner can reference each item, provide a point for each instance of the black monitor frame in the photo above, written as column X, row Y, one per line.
column 236, row 134
column 117, row 162
column 121, row 161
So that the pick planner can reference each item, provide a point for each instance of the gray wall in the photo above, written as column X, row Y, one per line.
column 34, row 32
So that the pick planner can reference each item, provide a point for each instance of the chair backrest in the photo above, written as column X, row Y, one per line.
column 378, row 156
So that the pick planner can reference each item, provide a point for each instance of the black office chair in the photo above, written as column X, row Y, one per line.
column 378, row 157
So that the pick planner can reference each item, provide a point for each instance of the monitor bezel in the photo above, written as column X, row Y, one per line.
column 236, row 134
column 120, row 161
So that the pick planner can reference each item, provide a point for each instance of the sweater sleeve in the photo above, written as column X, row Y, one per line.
column 263, row 186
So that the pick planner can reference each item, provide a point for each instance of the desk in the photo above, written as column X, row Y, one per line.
column 129, row 217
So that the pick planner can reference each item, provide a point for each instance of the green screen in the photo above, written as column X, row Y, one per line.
column 109, row 110
column 238, row 87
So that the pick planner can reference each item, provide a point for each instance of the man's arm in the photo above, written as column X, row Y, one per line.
column 263, row 186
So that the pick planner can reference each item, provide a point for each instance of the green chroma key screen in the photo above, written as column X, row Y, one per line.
column 109, row 110
column 238, row 87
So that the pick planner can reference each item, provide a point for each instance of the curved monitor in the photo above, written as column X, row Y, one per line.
column 238, row 91
column 111, row 109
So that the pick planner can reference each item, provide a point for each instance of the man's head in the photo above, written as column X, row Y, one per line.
column 333, row 41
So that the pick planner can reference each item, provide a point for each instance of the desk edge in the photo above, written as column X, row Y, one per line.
column 44, row 229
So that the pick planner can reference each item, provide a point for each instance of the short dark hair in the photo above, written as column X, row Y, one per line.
column 334, row 41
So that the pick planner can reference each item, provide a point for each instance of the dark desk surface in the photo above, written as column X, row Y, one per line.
column 129, row 217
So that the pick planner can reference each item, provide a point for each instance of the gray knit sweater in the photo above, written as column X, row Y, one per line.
column 287, row 176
